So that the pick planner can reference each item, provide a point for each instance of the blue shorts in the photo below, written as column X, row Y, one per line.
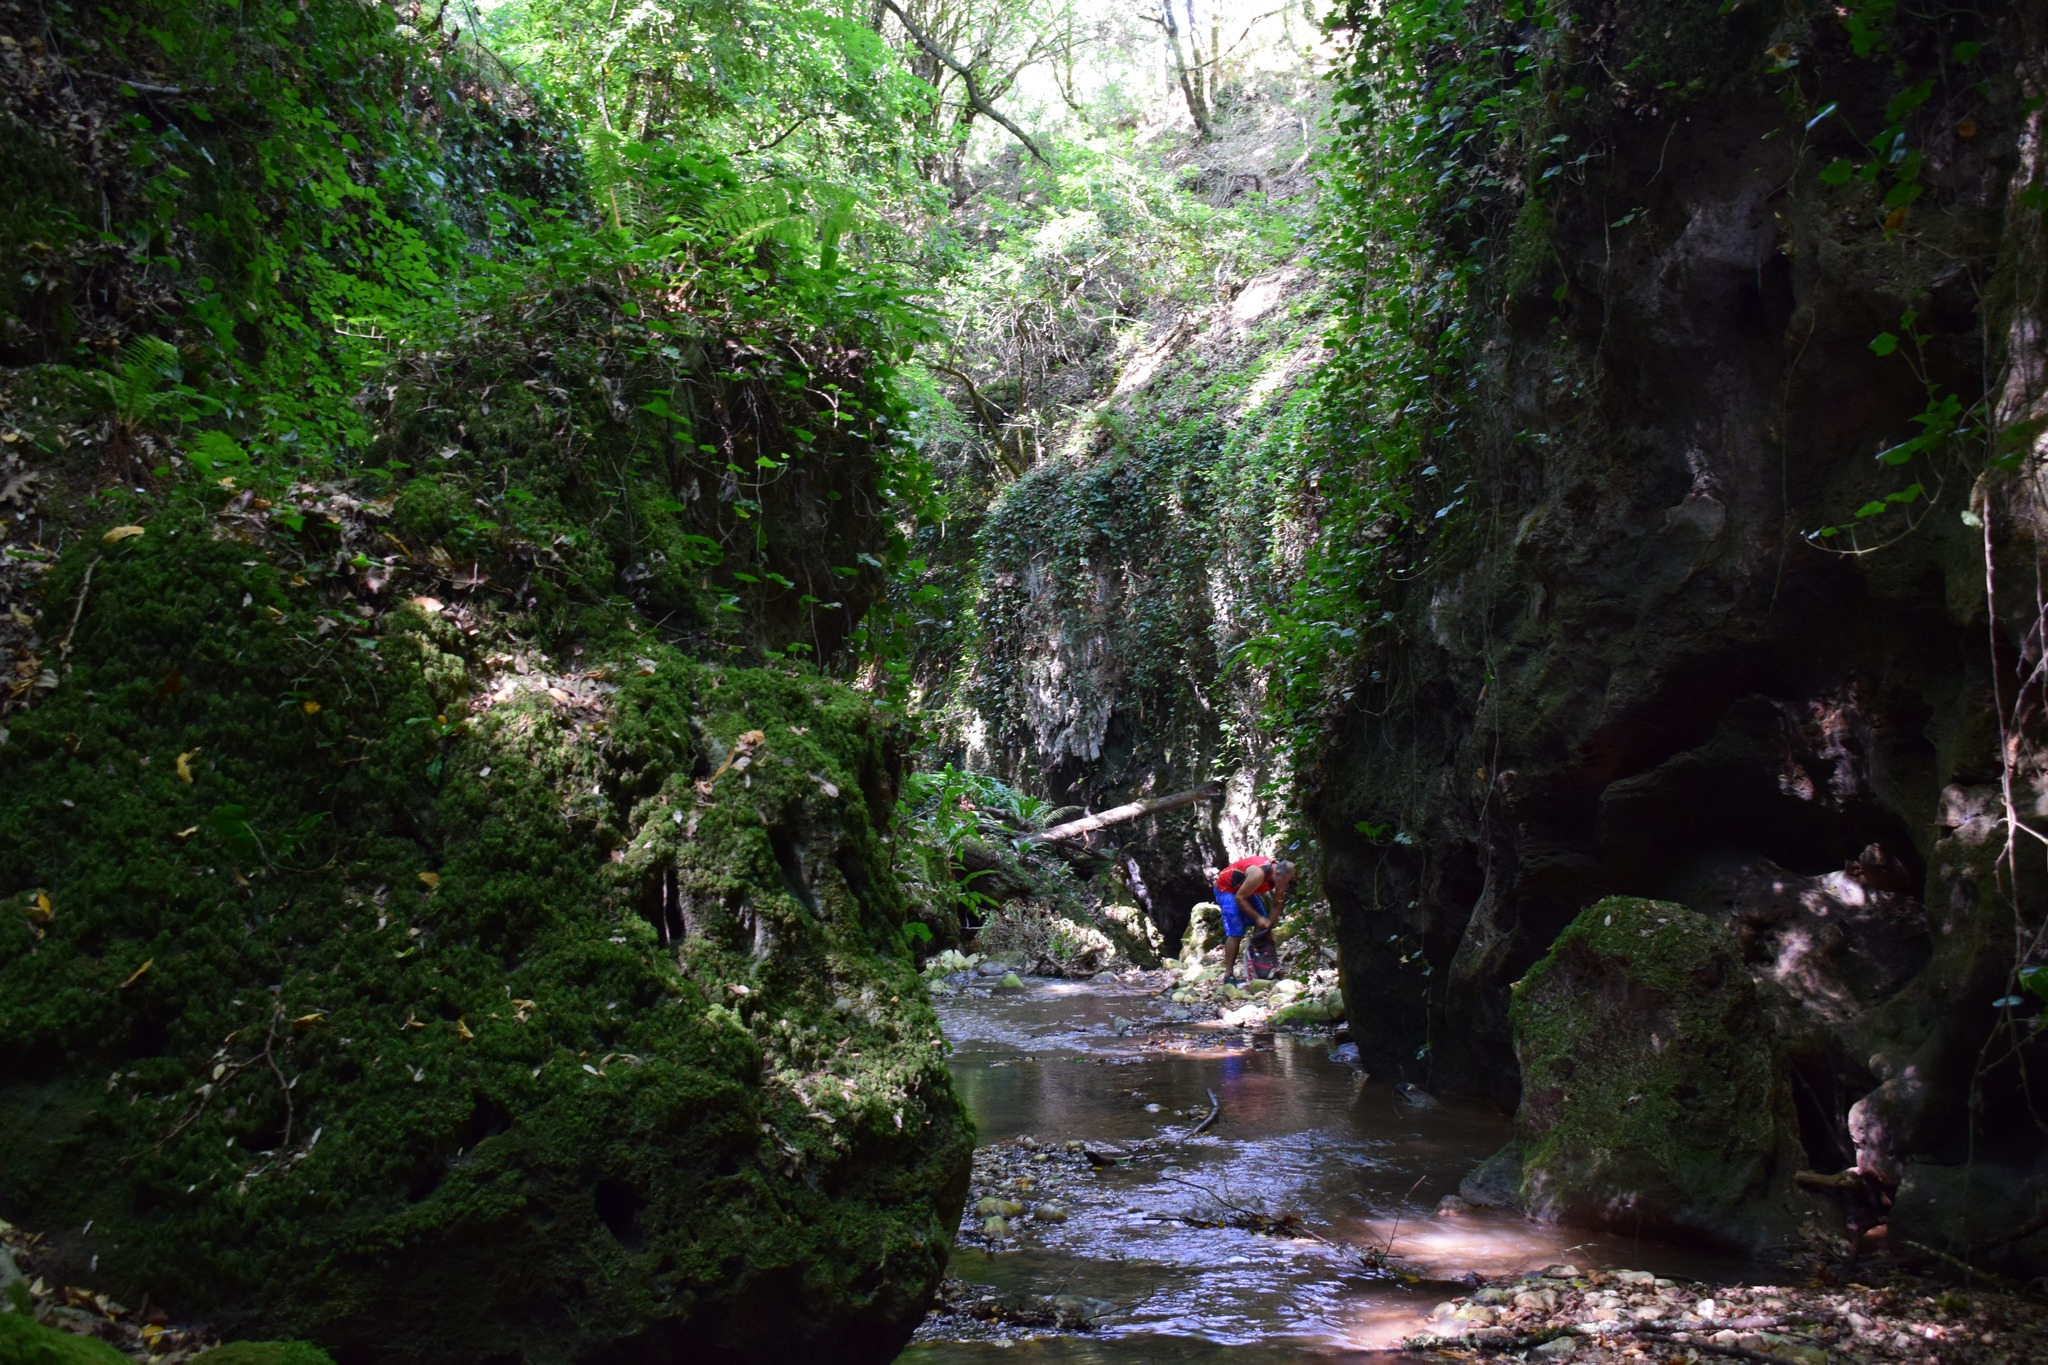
column 1233, row 917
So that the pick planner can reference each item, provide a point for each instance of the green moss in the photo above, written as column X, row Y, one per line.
column 252, row 217
column 24, row 1341
column 304, row 1091
column 1650, row 1093
column 1531, row 255
column 359, row 1013
column 426, row 510
column 602, row 449
column 47, row 203
column 266, row 1353
column 1325, row 1009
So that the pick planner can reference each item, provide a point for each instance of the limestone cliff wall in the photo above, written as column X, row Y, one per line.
column 1632, row 669
column 1110, row 588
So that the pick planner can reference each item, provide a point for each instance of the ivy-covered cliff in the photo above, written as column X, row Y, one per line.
column 1124, row 484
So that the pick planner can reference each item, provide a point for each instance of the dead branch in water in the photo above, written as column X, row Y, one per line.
column 1215, row 1108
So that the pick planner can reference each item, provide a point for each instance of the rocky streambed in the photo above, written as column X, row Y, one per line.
column 1156, row 1183
column 1561, row 1313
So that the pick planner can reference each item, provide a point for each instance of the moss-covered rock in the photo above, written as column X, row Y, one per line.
column 1650, row 1096
column 24, row 1341
column 266, row 1353
column 350, row 992
column 1327, row 1008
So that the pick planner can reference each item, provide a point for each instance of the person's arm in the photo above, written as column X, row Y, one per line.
column 1274, row 895
column 1264, row 886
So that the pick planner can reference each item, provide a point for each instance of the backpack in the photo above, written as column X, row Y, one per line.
column 1261, row 956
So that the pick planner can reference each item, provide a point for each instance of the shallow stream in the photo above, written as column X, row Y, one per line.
column 1361, row 1164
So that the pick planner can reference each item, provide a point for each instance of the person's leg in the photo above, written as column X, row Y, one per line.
column 1259, row 943
column 1233, row 929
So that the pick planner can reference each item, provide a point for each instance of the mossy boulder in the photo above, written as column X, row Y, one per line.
column 356, row 988
column 24, row 1341
column 1651, row 1099
column 265, row 1353
column 1326, row 1008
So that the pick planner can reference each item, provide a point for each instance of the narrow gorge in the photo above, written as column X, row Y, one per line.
column 634, row 637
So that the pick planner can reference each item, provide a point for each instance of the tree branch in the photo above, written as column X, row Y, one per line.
column 1117, row 815
column 974, row 95
column 990, row 418
column 781, row 137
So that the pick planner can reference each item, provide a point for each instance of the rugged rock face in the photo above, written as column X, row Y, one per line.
column 1101, row 596
column 1117, row 580
column 1098, row 646
column 1637, row 674
column 1651, row 1099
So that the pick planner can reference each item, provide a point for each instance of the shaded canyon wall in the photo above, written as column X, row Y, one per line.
column 1632, row 671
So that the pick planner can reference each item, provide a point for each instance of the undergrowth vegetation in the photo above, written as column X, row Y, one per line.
column 605, row 406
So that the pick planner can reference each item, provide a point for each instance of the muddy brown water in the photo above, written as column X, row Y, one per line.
column 1298, row 1132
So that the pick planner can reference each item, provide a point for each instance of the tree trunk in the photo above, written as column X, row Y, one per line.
column 1118, row 814
column 1189, row 74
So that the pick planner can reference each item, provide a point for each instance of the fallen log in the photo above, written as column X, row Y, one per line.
column 1116, row 815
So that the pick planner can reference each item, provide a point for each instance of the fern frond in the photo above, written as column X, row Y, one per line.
column 769, row 212
column 132, row 390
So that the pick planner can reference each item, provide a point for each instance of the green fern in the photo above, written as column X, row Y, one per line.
column 769, row 212
column 144, row 380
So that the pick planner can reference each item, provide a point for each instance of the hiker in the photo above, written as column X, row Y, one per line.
column 1250, row 889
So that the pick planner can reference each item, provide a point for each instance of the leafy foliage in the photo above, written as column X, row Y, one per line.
column 1427, row 95
column 699, row 419
column 283, row 206
column 942, row 809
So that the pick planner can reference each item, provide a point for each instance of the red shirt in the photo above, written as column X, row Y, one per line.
column 1233, row 877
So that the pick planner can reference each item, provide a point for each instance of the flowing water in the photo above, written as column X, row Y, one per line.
column 1360, row 1163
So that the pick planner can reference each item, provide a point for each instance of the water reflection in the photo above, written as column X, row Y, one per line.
column 1297, row 1133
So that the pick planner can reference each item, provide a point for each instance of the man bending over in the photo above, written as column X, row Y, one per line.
column 1250, row 889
